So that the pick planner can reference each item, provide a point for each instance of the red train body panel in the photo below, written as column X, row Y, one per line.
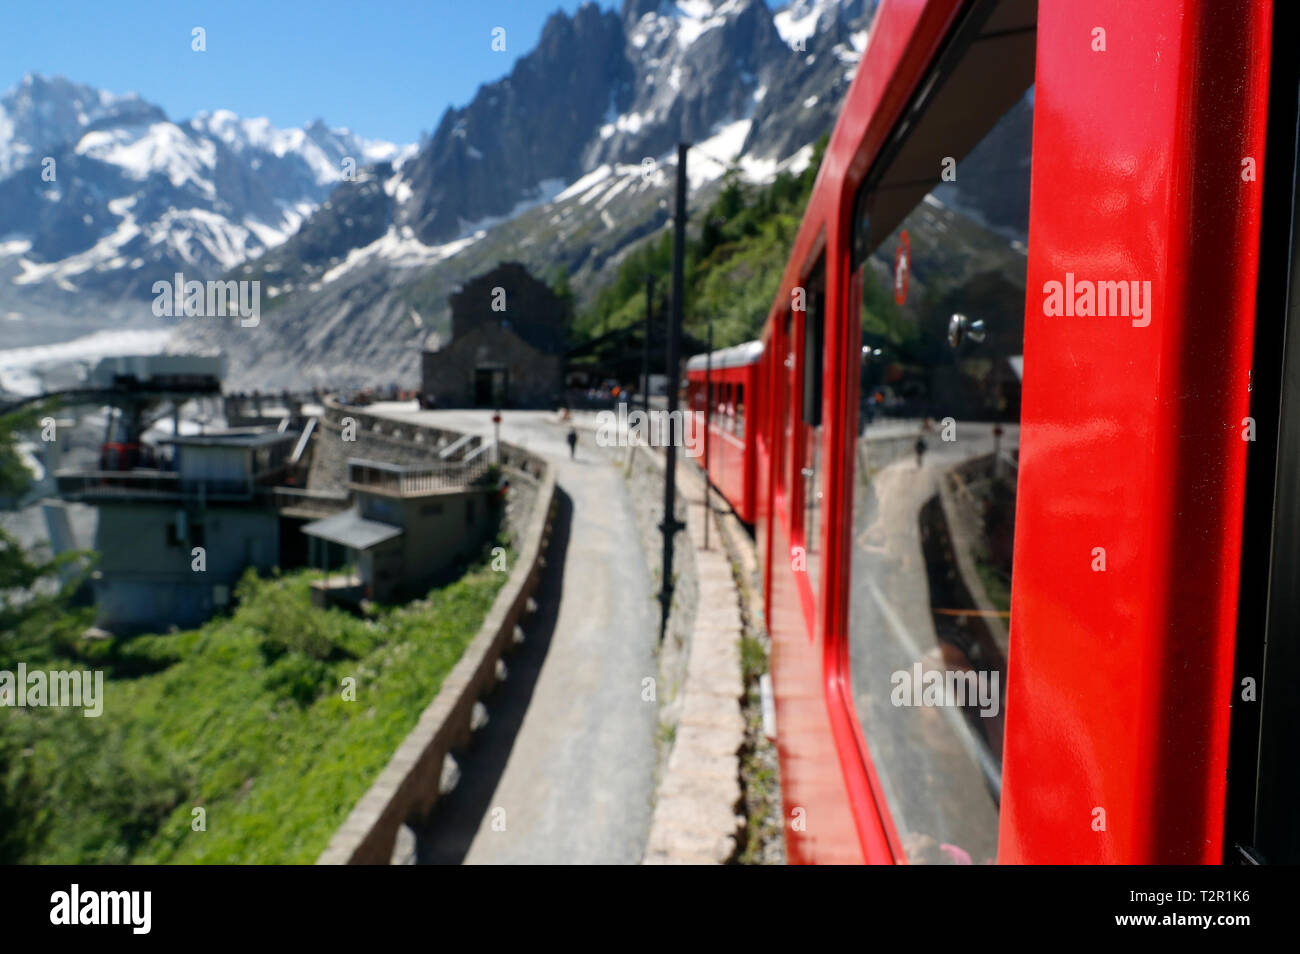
column 1114, row 740
column 729, row 453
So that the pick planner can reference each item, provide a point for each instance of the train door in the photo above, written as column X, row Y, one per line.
column 940, row 250
column 807, row 438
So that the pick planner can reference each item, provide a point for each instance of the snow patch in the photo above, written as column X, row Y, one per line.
column 159, row 148
column 709, row 159
column 397, row 188
column 799, row 21
column 697, row 17
column 399, row 248
column 593, row 178
column 104, row 254
column 628, row 123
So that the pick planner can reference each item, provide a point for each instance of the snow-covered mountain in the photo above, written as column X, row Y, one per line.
column 101, row 194
column 603, row 87
column 568, row 161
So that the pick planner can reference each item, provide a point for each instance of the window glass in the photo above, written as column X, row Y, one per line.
column 811, row 432
column 785, row 375
column 740, row 410
column 943, row 301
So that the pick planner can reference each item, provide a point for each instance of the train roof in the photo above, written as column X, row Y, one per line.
column 736, row 356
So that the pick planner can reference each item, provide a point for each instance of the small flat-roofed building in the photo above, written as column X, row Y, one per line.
column 173, row 541
column 409, row 525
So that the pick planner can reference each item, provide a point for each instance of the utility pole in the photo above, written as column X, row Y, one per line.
column 708, row 418
column 645, row 343
column 670, row 526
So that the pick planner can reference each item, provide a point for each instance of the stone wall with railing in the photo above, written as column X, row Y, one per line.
column 409, row 786
column 346, row 432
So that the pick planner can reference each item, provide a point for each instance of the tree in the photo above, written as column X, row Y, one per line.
column 15, row 478
column 563, row 290
column 35, row 593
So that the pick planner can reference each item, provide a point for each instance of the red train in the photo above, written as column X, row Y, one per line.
column 1035, row 316
column 730, row 450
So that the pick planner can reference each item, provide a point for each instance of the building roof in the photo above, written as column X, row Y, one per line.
column 352, row 530
column 534, row 313
column 233, row 437
column 734, row 357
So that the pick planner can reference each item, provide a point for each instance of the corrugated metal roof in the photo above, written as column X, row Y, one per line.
column 352, row 530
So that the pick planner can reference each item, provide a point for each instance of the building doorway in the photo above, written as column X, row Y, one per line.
column 490, row 387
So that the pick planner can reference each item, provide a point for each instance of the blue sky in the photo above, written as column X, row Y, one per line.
column 384, row 68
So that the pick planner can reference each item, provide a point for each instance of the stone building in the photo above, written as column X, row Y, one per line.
column 507, row 344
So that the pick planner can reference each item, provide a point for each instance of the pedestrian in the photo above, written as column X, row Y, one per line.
column 920, row 450
column 573, row 441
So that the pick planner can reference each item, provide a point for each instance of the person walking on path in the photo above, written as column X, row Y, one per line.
column 572, row 438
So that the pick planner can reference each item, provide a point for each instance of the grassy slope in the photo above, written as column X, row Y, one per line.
column 244, row 717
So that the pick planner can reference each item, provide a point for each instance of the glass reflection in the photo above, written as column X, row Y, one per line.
column 934, row 497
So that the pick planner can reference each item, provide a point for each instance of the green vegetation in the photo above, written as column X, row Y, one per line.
column 14, row 476
column 251, row 717
column 733, row 262
column 762, row 838
column 37, row 620
column 245, row 717
column 996, row 585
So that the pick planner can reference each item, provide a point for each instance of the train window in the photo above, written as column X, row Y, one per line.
column 785, row 378
column 941, row 265
column 740, row 410
column 813, row 373
column 1264, row 775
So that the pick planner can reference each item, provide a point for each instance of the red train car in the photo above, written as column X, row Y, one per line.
column 1034, row 318
column 729, row 453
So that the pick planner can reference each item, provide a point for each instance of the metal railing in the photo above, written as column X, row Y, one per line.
column 446, row 475
column 421, row 435
column 155, row 483
column 308, row 501
column 99, row 483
